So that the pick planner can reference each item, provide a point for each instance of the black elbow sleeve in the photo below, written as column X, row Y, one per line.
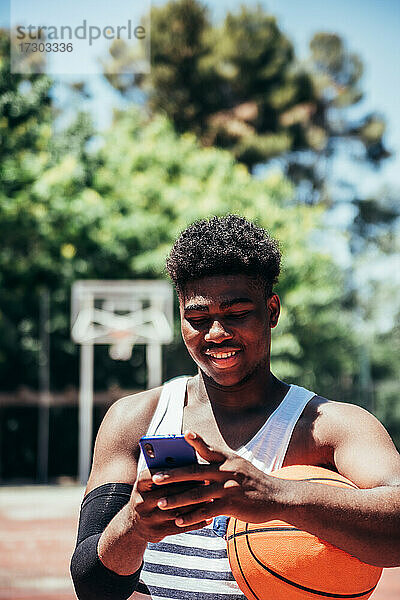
column 92, row 580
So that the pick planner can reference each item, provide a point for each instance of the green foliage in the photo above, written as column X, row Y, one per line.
column 37, row 178
column 147, row 183
column 376, row 222
column 230, row 85
column 385, row 354
column 163, row 182
column 25, row 124
column 336, row 75
column 68, row 214
column 239, row 86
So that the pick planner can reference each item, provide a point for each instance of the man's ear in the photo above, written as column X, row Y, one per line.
column 274, row 310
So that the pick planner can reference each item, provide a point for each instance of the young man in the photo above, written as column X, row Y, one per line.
column 243, row 423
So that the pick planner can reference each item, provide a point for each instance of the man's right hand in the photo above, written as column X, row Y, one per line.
column 152, row 524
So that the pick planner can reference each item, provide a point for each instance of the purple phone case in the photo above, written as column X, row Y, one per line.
column 170, row 451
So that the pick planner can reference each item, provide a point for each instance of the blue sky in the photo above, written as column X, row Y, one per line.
column 370, row 28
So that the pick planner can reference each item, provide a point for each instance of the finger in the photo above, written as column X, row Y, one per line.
column 195, row 473
column 157, row 517
column 181, row 529
column 146, row 502
column 144, row 482
column 196, row 495
column 203, row 449
column 178, row 512
column 206, row 512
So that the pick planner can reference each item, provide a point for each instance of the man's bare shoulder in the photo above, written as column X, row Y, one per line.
column 129, row 417
column 332, row 420
column 133, row 406
column 323, row 426
column 116, row 449
column 353, row 441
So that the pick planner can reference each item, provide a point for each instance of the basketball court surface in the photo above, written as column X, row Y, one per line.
column 37, row 537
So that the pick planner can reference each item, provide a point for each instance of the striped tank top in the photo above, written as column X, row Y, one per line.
column 194, row 565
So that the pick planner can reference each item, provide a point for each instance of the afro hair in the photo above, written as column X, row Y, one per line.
column 224, row 246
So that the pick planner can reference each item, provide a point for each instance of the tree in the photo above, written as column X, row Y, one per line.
column 385, row 365
column 228, row 85
column 146, row 184
column 33, row 250
column 329, row 129
column 162, row 182
column 376, row 287
column 25, row 125
column 25, row 130
column 239, row 86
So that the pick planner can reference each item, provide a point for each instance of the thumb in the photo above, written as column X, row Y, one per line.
column 203, row 449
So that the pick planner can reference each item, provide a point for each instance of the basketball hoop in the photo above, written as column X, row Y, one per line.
column 119, row 314
column 103, row 311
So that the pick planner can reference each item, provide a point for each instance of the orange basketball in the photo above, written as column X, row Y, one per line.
column 276, row 561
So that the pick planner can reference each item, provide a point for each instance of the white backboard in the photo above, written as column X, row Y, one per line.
column 123, row 311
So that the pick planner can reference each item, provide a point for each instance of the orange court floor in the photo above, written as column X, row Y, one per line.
column 37, row 536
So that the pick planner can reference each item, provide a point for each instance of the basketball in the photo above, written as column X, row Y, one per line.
column 274, row 560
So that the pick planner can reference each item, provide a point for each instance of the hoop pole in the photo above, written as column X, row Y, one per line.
column 154, row 364
column 44, row 380
column 85, row 411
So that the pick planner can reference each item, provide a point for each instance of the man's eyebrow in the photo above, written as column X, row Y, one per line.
column 223, row 305
column 201, row 307
column 229, row 303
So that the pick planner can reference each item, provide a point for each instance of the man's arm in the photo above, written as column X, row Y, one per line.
column 115, row 458
column 120, row 512
column 106, row 511
column 364, row 522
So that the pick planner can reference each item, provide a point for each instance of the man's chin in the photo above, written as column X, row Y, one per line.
column 226, row 379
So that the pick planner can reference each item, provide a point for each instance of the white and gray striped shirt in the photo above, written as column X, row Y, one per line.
column 194, row 565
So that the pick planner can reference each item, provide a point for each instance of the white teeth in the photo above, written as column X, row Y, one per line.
column 222, row 354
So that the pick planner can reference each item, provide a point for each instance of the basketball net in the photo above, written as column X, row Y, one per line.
column 121, row 344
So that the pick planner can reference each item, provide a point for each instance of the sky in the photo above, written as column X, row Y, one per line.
column 370, row 28
column 90, row 17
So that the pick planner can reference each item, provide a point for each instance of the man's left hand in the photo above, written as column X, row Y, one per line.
column 234, row 487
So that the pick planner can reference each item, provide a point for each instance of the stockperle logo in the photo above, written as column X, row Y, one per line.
column 79, row 36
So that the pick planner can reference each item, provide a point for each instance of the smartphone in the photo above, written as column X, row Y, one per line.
column 166, row 452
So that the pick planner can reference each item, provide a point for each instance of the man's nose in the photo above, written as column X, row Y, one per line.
column 217, row 333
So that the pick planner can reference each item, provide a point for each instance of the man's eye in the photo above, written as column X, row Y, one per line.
column 238, row 315
column 197, row 320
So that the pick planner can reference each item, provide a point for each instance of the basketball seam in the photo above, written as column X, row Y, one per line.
column 240, row 566
column 298, row 585
column 263, row 530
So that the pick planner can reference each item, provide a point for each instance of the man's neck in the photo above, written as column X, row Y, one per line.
column 261, row 392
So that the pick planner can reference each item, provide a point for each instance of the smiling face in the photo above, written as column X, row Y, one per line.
column 226, row 325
